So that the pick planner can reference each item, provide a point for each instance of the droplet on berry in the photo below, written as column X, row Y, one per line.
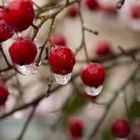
column 62, row 79
column 3, row 94
column 19, row 14
column 75, row 128
column 23, row 53
column 26, row 69
column 62, row 61
column 93, row 76
column 120, row 128
column 93, row 91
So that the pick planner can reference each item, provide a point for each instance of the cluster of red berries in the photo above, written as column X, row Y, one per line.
column 120, row 128
column 24, row 15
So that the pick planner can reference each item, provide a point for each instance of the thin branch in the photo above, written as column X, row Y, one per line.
column 4, row 55
column 27, row 123
column 83, row 44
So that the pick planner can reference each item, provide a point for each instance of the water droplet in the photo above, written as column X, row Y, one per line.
column 62, row 79
column 18, row 115
column 93, row 91
column 26, row 69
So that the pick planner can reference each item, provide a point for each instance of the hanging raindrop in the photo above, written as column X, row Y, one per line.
column 93, row 91
column 26, row 69
column 62, row 79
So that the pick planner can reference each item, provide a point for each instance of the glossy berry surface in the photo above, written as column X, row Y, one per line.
column 62, row 60
column 23, row 51
column 135, row 11
column 103, row 48
column 58, row 39
column 19, row 14
column 6, row 31
column 93, row 75
column 91, row 4
column 76, row 128
column 3, row 94
column 120, row 128
column 73, row 11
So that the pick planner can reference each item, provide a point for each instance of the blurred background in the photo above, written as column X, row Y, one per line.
column 120, row 28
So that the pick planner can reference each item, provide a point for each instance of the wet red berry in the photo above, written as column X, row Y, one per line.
column 91, row 4
column 120, row 128
column 75, row 128
column 19, row 14
column 58, row 39
column 62, row 60
column 93, row 75
column 103, row 48
column 73, row 11
column 23, row 51
column 3, row 94
column 135, row 11
column 6, row 31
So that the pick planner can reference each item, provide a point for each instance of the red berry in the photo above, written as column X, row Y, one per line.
column 6, row 31
column 91, row 4
column 19, row 14
column 120, row 128
column 76, row 128
column 3, row 94
column 58, row 39
column 93, row 75
column 103, row 48
column 73, row 11
column 62, row 60
column 135, row 11
column 23, row 51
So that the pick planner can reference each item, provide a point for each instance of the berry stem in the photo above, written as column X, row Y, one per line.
column 46, row 40
column 83, row 43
